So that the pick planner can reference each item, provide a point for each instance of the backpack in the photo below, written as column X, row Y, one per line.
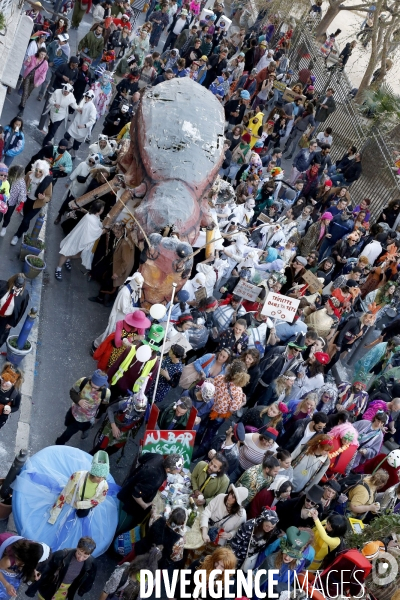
column 346, row 485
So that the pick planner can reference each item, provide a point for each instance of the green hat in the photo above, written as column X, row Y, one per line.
column 155, row 336
column 100, row 464
column 294, row 542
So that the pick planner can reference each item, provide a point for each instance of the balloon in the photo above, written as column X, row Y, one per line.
column 143, row 354
column 158, row 311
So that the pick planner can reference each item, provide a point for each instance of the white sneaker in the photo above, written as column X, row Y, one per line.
column 14, row 241
column 3, row 232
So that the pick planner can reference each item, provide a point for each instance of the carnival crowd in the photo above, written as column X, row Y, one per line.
column 288, row 451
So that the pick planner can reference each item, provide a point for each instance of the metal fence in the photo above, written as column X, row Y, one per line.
column 378, row 180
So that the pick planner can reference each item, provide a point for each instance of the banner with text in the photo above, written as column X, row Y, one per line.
column 170, row 442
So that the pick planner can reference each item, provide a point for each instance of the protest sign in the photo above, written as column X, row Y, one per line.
column 200, row 294
column 170, row 442
column 264, row 218
column 247, row 290
column 280, row 307
column 313, row 284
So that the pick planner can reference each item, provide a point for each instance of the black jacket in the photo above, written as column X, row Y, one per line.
column 289, row 513
column 352, row 172
column 20, row 305
column 292, row 439
column 54, row 573
column 116, row 116
column 66, row 70
column 144, row 482
column 174, row 20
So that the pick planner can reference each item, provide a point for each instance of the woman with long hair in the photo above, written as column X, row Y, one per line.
column 34, row 74
column 224, row 512
column 255, row 535
column 327, row 536
column 312, row 463
column 221, row 559
column 310, row 375
column 279, row 389
column 16, row 179
column 273, row 415
column 18, row 562
column 229, row 397
column 14, row 140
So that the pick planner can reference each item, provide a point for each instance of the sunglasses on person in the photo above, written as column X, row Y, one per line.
column 3, row 175
column 311, row 502
column 91, row 162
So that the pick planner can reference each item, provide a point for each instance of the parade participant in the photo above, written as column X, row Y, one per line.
column 253, row 449
column 202, row 397
column 221, row 560
column 14, row 300
column 86, row 395
column 352, row 397
column 296, row 511
column 345, row 444
column 83, row 122
column 279, row 491
column 138, row 492
column 128, row 331
column 80, row 179
column 311, row 464
column 91, row 46
column 223, row 516
column 171, row 369
column 11, row 380
column 14, row 140
column 59, row 103
column 209, row 479
column 58, row 53
column 79, row 243
column 254, row 536
column 175, row 416
column 39, row 192
column 361, row 498
column 67, row 572
column 370, row 438
column 126, row 302
column 19, row 559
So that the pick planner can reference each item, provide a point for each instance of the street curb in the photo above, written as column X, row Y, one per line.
column 35, row 287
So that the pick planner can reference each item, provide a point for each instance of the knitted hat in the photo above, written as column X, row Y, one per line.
column 328, row 183
column 100, row 464
column 269, row 432
column 246, row 137
column 99, row 378
column 245, row 95
column 3, row 168
column 327, row 216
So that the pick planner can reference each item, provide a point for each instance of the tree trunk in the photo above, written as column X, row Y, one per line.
column 328, row 17
column 377, row 33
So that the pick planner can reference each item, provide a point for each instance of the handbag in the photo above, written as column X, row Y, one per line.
column 83, row 512
column 82, row 179
column 250, row 561
column 3, row 207
column 190, row 375
column 214, row 529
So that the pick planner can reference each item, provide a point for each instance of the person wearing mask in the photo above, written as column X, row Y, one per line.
column 83, row 80
column 60, row 101
column 67, row 572
column 39, row 191
column 84, row 119
column 116, row 119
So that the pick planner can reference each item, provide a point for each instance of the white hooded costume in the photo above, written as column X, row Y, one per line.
column 87, row 119
column 78, row 188
column 64, row 102
column 192, row 285
column 82, row 238
column 128, row 296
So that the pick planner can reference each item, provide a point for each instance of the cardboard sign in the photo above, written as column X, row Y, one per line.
column 180, row 339
column 313, row 284
column 280, row 307
column 278, row 85
column 264, row 219
column 170, row 442
column 290, row 96
column 247, row 290
column 200, row 294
